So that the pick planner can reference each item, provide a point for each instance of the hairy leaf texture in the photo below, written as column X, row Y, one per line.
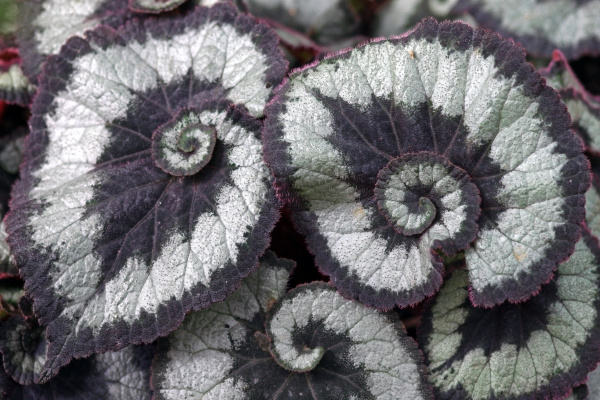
column 440, row 141
column 124, row 219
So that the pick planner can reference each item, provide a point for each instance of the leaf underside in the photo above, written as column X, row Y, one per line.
column 536, row 349
column 441, row 89
column 114, row 249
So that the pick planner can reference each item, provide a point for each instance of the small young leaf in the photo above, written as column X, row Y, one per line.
column 356, row 352
column 465, row 96
column 113, row 375
column 540, row 25
column 537, row 349
column 116, row 237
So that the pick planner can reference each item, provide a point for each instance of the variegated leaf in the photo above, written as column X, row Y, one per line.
column 541, row 25
column 45, row 25
column 468, row 102
column 584, row 108
column 537, row 349
column 110, row 376
column 117, row 224
column 325, row 21
column 346, row 351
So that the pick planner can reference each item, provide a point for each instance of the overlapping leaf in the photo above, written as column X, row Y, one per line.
column 325, row 347
column 399, row 16
column 325, row 21
column 45, row 25
column 468, row 102
column 592, row 205
column 119, row 375
column 540, row 25
column 537, row 349
column 110, row 376
column 590, row 390
column 115, row 244
column 584, row 108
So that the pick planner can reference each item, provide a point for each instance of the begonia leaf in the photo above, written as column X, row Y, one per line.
column 7, row 261
column 110, row 376
column 583, row 107
column 533, row 350
column 45, row 25
column 398, row 16
column 225, row 352
column 591, row 390
column 560, row 75
column 541, row 25
column 585, row 117
column 115, row 230
column 468, row 105
column 592, row 206
column 23, row 347
column 115, row 375
column 325, row 21
column 154, row 6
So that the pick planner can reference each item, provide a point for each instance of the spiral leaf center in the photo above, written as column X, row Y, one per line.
column 183, row 146
column 415, row 189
